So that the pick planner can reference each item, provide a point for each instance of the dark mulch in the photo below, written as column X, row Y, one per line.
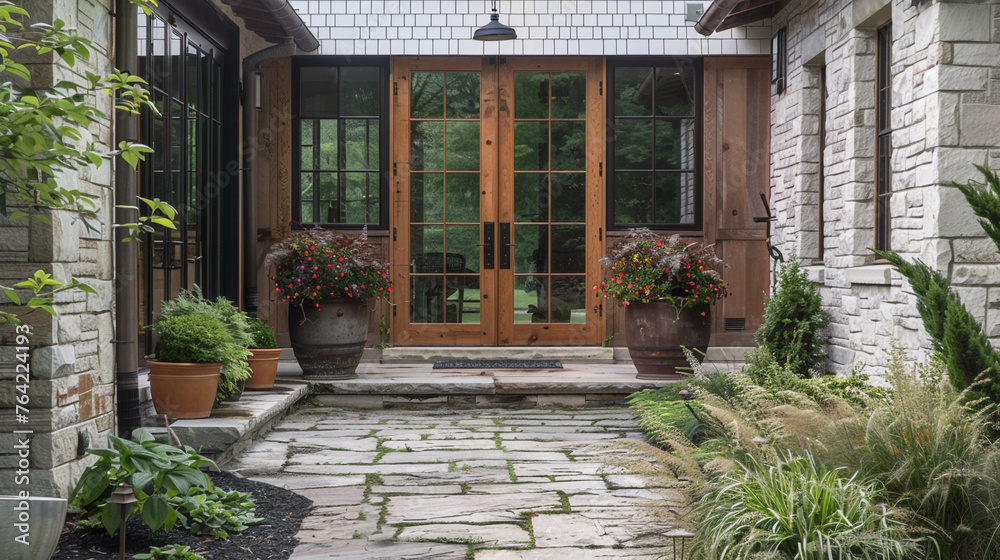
column 272, row 540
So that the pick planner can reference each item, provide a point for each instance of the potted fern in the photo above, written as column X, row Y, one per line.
column 231, row 352
column 184, row 376
column 263, row 356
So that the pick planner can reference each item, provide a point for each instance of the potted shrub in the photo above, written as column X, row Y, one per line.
column 235, row 366
column 263, row 356
column 184, row 376
column 327, row 278
column 666, row 288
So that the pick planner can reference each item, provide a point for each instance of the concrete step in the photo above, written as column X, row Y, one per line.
column 430, row 354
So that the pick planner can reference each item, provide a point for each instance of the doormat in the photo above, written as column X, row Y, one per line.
column 498, row 364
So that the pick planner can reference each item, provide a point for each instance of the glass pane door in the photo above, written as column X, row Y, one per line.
column 550, row 150
column 439, row 217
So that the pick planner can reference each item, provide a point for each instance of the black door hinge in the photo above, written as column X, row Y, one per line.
column 600, row 88
column 394, row 168
column 600, row 169
column 395, row 88
column 600, row 234
column 394, row 310
column 393, row 234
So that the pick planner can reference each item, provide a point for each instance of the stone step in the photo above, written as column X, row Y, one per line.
column 571, row 354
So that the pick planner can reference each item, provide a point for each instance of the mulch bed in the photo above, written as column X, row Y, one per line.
column 272, row 540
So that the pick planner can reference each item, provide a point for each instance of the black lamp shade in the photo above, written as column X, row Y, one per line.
column 494, row 31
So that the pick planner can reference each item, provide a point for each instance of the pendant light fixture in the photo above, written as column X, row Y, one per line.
column 494, row 30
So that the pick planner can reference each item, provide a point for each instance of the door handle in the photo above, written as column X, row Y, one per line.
column 487, row 245
column 505, row 245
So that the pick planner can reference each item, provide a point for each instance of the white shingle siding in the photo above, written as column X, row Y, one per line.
column 544, row 27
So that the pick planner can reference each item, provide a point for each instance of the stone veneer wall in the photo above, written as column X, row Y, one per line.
column 946, row 110
column 72, row 388
column 544, row 27
column 72, row 358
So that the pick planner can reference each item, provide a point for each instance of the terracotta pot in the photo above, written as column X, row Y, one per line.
column 183, row 390
column 264, row 364
column 329, row 340
column 30, row 526
column 654, row 334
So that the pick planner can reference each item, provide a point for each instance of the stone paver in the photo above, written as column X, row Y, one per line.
column 483, row 484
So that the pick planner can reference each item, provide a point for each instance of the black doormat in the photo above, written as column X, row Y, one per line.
column 498, row 364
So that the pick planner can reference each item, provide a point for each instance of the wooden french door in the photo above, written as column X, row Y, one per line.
column 497, row 205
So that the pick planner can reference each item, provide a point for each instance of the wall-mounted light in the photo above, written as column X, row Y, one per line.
column 258, row 89
column 494, row 30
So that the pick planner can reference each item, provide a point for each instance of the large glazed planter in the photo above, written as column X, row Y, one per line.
column 264, row 367
column 654, row 334
column 183, row 390
column 30, row 527
column 329, row 340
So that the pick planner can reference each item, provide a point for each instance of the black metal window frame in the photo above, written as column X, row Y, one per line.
column 339, row 62
column 821, row 198
column 207, row 189
column 697, row 171
column 883, row 138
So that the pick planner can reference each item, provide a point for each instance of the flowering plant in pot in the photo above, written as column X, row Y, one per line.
column 264, row 356
column 667, row 288
column 327, row 277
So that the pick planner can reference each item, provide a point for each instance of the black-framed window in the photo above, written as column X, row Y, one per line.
column 340, row 146
column 883, row 145
column 654, row 160
column 821, row 198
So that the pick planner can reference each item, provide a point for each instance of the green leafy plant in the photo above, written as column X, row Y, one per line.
column 793, row 319
column 156, row 472
column 232, row 354
column 648, row 267
column 261, row 335
column 955, row 334
column 172, row 552
column 198, row 337
column 793, row 507
column 216, row 511
column 43, row 290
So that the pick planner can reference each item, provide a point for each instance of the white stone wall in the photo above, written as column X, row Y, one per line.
column 544, row 27
column 946, row 111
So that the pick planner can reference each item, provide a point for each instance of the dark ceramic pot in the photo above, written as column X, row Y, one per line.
column 655, row 333
column 329, row 340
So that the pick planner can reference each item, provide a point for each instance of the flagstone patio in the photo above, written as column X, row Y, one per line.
column 463, row 484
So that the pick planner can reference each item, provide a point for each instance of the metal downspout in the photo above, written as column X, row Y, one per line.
column 249, row 187
column 126, row 254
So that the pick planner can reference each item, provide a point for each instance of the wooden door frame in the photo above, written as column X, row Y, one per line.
column 484, row 332
column 592, row 331
column 492, row 139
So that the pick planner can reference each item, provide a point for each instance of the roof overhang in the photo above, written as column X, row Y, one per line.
column 727, row 14
column 275, row 21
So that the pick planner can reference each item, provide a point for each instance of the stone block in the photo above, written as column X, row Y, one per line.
column 979, row 124
column 53, row 362
column 949, row 214
column 964, row 22
column 970, row 250
column 57, row 241
column 562, row 401
column 349, row 401
column 975, row 275
column 975, row 54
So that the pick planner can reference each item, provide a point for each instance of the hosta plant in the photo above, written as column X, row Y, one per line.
column 157, row 472
column 172, row 552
